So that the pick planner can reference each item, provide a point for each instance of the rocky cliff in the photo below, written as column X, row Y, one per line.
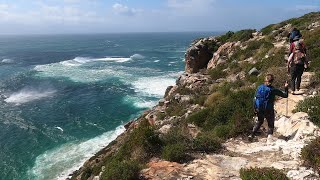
column 198, row 130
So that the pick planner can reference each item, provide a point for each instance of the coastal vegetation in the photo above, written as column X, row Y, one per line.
column 226, row 107
column 262, row 174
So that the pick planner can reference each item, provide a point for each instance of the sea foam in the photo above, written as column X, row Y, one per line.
column 7, row 61
column 78, row 69
column 58, row 163
column 28, row 95
column 153, row 86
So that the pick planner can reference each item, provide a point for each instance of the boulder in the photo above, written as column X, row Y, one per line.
column 296, row 127
column 220, row 55
column 197, row 56
column 165, row 129
column 254, row 72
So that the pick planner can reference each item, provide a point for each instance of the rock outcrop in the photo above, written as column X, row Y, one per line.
column 282, row 153
column 190, row 94
column 198, row 55
column 219, row 57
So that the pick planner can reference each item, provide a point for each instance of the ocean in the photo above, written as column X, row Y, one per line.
column 65, row 97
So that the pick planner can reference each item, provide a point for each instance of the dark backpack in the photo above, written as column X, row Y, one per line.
column 295, row 34
column 262, row 98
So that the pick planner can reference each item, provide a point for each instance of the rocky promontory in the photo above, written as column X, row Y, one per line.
column 199, row 129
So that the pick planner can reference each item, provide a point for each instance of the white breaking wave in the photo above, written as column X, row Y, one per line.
column 78, row 61
column 73, row 69
column 76, row 74
column 62, row 161
column 28, row 95
column 136, row 57
column 153, row 86
column 139, row 102
column 7, row 61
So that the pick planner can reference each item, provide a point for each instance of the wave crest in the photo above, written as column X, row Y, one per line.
column 62, row 161
column 28, row 95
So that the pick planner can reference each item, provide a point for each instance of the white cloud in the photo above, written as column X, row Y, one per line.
column 4, row 7
column 191, row 7
column 125, row 10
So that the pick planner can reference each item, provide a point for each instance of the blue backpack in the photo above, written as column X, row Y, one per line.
column 295, row 34
column 262, row 98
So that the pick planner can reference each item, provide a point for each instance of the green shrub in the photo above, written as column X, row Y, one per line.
column 176, row 108
column 267, row 30
column 255, row 49
column 224, row 38
column 212, row 98
column 313, row 47
column 198, row 118
column 262, row 174
column 86, row 173
column 311, row 106
column 207, row 142
column 242, row 35
column 212, row 46
column 217, row 73
column 200, row 99
column 122, row 170
column 275, row 60
column 226, row 110
column 176, row 135
column 311, row 154
column 182, row 90
column 175, row 152
column 222, row 131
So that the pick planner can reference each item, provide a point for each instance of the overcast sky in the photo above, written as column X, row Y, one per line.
column 103, row 16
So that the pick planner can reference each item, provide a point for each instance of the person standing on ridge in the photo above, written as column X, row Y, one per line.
column 297, row 63
column 294, row 35
column 264, row 105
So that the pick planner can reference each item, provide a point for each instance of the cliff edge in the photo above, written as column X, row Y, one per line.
column 199, row 129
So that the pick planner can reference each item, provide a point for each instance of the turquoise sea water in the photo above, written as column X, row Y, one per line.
column 64, row 97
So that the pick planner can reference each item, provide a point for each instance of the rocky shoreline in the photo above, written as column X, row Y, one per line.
column 192, row 94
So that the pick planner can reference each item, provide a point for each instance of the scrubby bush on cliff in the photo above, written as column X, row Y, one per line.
column 262, row 174
column 142, row 144
column 256, row 49
column 176, row 144
column 313, row 48
column 233, row 113
column 311, row 154
column 207, row 142
column 242, row 35
column 224, row 38
column 122, row 170
column 217, row 73
column 175, row 152
column 276, row 59
column 268, row 29
column 176, row 108
column 311, row 106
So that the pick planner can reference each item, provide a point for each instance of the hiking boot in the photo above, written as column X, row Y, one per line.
column 250, row 137
column 293, row 92
column 270, row 139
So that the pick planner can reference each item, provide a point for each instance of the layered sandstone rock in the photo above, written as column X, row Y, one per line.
column 198, row 55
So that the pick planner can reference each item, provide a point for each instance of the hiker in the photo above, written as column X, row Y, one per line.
column 297, row 63
column 264, row 104
column 294, row 35
column 293, row 44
